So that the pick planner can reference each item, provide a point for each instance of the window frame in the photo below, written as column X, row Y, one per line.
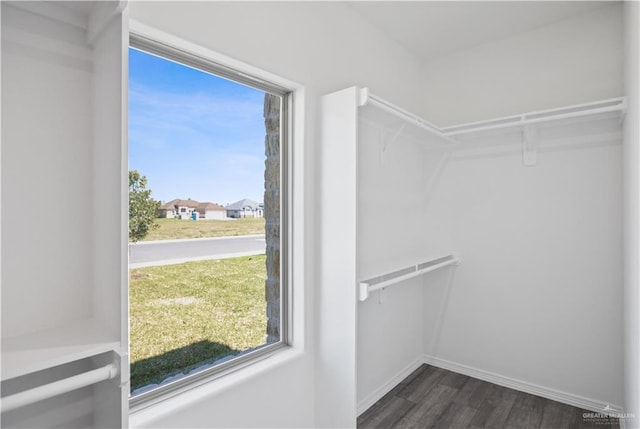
column 198, row 62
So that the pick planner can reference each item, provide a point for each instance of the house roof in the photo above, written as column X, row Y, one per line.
column 210, row 206
column 178, row 202
column 193, row 204
column 242, row 204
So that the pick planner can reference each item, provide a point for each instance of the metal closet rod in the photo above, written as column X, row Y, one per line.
column 381, row 282
column 59, row 387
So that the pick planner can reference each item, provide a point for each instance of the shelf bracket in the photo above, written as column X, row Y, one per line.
column 529, row 146
column 394, row 137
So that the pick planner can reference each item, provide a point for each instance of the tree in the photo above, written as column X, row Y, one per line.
column 142, row 208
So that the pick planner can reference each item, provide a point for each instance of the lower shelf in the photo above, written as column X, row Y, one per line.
column 34, row 352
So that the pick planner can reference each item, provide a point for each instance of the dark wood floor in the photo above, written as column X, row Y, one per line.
column 435, row 398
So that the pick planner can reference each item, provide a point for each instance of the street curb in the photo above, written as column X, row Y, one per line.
column 197, row 258
column 182, row 240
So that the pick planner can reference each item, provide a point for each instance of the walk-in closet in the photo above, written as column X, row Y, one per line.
column 462, row 210
column 473, row 241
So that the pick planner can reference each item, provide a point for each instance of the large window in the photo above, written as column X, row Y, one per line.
column 208, row 218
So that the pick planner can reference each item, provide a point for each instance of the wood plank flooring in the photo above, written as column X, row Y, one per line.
column 435, row 398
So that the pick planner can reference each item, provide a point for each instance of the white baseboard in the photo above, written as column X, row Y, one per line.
column 523, row 386
column 623, row 424
column 374, row 397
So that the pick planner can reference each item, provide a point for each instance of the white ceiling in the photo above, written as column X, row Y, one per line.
column 429, row 29
column 81, row 7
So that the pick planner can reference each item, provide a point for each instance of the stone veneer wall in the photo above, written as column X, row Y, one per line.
column 272, row 214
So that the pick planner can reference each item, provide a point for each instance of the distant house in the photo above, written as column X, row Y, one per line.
column 245, row 208
column 185, row 209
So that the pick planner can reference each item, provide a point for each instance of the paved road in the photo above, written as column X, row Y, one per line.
column 145, row 254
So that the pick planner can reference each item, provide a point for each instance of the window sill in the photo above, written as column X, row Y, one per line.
column 146, row 412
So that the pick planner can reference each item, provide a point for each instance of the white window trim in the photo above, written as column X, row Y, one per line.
column 293, row 345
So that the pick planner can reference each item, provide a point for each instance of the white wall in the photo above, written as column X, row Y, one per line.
column 215, row 214
column 538, row 297
column 50, row 82
column 271, row 395
column 394, row 177
column 572, row 61
column 323, row 47
column 632, row 216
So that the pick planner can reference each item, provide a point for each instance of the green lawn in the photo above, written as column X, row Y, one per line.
column 182, row 315
column 177, row 228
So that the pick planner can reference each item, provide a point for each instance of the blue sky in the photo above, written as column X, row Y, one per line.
column 192, row 134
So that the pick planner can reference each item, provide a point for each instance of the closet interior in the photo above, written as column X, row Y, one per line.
column 64, row 255
column 491, row 249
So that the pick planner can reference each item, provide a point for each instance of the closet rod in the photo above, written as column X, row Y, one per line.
column 381, row 282
column 59, row 387
column 607, row 106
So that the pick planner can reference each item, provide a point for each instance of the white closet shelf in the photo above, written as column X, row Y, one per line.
column 606, row 109
column 25, row 354
column 399, row 121
column 395, row 277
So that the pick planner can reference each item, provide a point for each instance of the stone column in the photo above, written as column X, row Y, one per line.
column 272, row 214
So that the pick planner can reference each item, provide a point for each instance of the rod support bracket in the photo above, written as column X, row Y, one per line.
column 120, row 360
column 394, row 137
column 363, row 291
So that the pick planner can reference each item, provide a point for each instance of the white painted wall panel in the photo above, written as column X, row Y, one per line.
column 325, row 47
column 337, row 333
column 219, row 404
column 396, row 177
column 631, row 156
column 46, row 174
column 389, row 338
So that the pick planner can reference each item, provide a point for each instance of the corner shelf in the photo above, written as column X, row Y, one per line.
column 398, row 121
column 605, row 109
column 26, row 354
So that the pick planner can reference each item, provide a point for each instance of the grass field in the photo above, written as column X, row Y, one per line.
column 183, row 315
column 175, row 228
